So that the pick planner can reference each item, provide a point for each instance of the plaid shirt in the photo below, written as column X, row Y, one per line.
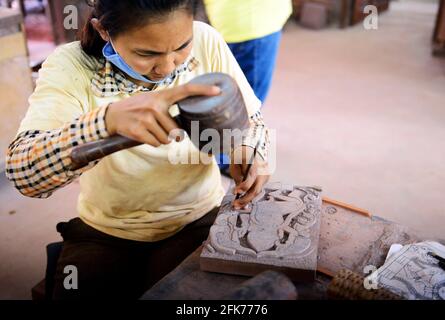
column 38, row 162
column 108, row 82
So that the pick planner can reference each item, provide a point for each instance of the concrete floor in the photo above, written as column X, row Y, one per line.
column 360, row 113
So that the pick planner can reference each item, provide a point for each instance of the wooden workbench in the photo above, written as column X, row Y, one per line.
column 350, row 238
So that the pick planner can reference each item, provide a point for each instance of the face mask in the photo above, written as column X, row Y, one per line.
column 111, row 55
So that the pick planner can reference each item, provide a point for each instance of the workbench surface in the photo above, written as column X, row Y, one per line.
column 349, row 239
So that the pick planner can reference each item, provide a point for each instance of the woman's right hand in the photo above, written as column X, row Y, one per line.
column 145, row 118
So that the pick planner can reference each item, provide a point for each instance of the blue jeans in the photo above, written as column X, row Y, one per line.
column 257, row 59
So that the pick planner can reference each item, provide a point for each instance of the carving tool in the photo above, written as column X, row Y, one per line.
column 222, row 112
column 249, row 165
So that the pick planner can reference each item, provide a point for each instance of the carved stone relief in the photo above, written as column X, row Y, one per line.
column 280, row 230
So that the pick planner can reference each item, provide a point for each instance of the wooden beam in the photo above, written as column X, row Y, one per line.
column 363, row 212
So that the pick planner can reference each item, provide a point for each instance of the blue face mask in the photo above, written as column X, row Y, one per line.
column 111, row 55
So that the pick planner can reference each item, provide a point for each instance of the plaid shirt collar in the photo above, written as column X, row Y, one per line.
column 109, row 81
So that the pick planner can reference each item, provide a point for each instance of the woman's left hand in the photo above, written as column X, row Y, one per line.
column 255, row 180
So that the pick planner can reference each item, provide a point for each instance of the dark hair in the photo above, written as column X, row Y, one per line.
column 117, row 16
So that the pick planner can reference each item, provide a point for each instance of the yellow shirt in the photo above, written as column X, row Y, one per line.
column 243, row 20
column 138, row 193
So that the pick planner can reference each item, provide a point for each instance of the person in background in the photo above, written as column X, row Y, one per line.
column 252, row 29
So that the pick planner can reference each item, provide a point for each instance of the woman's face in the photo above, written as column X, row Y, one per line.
column 156, row 49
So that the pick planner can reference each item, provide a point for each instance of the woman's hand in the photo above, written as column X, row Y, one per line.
column 256, row 177
column 145, row 118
